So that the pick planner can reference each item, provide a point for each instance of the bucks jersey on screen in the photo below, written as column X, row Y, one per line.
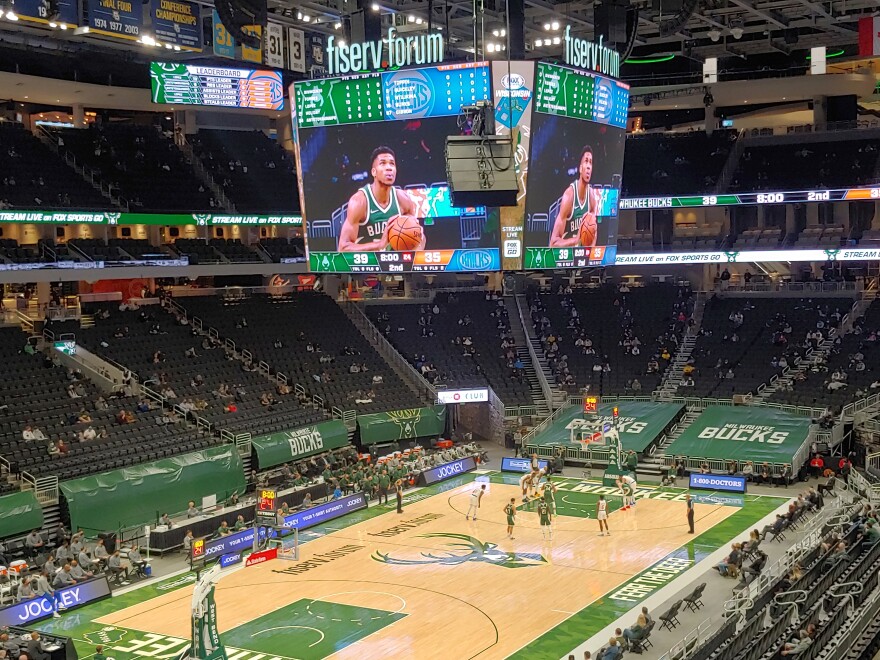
column 377, row 216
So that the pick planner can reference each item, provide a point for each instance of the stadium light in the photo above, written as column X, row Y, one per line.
column 538, row 43
column 11, row 16
column 556, row 41
column 376, row 6
column 555, row 25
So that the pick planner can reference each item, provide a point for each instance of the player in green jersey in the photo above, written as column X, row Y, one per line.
column 580, row 203
column 550, row 496
column 546, row 518
column 370, row 208
column 510, row 512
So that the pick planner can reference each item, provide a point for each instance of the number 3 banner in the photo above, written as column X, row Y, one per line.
column 296, row 42
column 274, row 45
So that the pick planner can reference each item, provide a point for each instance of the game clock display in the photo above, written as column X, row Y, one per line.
column 371, row 157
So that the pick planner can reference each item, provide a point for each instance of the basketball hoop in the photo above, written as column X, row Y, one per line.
column 588, row 439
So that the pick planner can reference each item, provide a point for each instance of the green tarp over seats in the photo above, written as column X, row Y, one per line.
column 277, row 448
column 640, row 423
column 19, row 513
column 132, row 496
column 743, row 433
column 402, row 424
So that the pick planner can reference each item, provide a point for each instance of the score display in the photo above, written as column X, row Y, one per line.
column 191, row 84
column 410, row 94
column 748, row 199
column 568, row 92
column 371, row 157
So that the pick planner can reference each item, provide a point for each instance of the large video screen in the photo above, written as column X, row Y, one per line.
column 196, row 84
column 576, row 165
column 372, row 163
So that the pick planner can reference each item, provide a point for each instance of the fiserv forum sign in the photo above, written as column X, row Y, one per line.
column 585, row 54
column 391, row 53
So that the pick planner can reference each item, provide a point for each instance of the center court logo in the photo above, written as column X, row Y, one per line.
column 467, row 549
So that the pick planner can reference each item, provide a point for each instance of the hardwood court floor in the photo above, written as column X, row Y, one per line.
column 429, row 584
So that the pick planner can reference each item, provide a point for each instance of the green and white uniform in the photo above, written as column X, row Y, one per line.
column 550, row 497
column 544, row 513
column 579, row 208
column 377, row 217
column 511, row 513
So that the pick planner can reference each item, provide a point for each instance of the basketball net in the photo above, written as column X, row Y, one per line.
column 588, row 439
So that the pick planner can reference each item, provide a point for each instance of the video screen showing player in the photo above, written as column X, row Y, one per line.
column 380, row 213
column 382, row 186
column 574, row 182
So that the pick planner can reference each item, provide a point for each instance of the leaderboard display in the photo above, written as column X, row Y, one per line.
column 371, row 157
column 576, row 165
column 191, row 84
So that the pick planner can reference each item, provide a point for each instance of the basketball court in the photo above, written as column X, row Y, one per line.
column 431, row 584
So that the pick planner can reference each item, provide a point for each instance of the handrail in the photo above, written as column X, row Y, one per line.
column 546, row 390
column 359, row 318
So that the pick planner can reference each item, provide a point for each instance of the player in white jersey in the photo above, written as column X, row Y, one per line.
column 627, row 485
column 525, row 483
column 602, row 516
column 476, row 496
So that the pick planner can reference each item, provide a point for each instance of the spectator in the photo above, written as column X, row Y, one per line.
column 34, row 542
column 117, row 567
column 730, row 566
column 224, row 530
column 635, row 632
column 192, row 511
column 791, row 649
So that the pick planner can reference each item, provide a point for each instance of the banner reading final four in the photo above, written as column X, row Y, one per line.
column 402, row 424
column 277, row 448
column 744, row 434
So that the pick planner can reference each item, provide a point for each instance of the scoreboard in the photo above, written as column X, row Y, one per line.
column 419, row 261
column 191, row 84
column 411, row 94
column 746, row 199
column 568, row 92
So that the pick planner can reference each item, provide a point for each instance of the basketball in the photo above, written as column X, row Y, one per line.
column 405, row 232
column 587, row 234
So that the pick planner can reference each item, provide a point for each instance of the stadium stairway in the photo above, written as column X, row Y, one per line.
column 89, row 176
column 520, row 336
column 656, row 461
column 673, row 375
column 205, row 176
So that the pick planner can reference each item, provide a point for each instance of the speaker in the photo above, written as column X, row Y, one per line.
column 480, row 171
column 610, row 20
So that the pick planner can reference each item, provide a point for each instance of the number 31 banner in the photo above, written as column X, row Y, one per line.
column 274, row 45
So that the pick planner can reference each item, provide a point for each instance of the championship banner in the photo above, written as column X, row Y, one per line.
column 115, row 18
column 743, row 434
column 277, row 448
column 177, row 22
column 223, row 42
column 206, row 644
column 37, row 11
column 274, row 55
column 402, row 424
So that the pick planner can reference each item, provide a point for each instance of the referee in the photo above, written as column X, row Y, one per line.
column 690, row 512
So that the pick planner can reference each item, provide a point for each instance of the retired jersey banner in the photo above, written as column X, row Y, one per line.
column 277, row 448
column 274, row 45
column 116, row 18
column 397, row 425
column 742, row 433
column 37, row 11
column 223, row 42
column 296, row 50
column 249, row 54
column 869, row 36
column 177, row 22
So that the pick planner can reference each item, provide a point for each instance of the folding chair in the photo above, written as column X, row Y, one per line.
column 670, row 617
column 692, row 601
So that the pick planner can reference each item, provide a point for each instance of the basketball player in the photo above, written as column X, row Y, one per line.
column 525, row 482
column 602, row 516
column 370, row 208
column 546, row 518
column 550, row 496
column 476, row 496
column 580, row 203
column 627, row 485
column 510, row 512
